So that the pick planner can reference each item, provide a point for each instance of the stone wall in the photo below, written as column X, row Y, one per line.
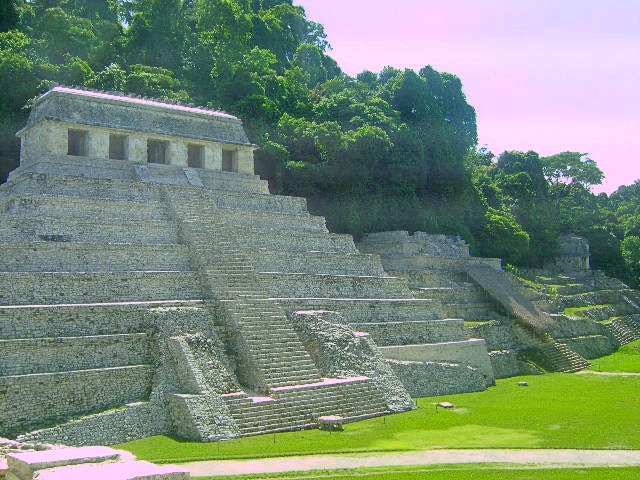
column 428, row 379
column 361, row 312
column 47, row 397
column 77, row 208
column 93, row 230
column 449, row 264
column 317, row 262
column 401, row 242
column 340, row 353
column 98, row 319
column 414, row 332
column 505, row 363
column 201, row 417
column 80, row 257
column 498, row 336
column 134, row 421
column 575, row 327
column 281, row 284
column 591, row 346
column 471, row 352
column 30, row 288
column 202, row 359
column 26, row 356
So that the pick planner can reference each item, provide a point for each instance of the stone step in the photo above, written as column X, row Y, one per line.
column 281, row 284
column 563, row 358
column 285, row 362
column 47, row 288
column 42, row 256
column 59, row 354
column 624, row 329
column 35, row 399
column 292, row 356
column 305, row 403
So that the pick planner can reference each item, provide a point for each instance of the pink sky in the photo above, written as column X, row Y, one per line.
column 543, row 75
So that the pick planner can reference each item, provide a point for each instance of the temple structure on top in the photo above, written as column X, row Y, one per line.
column 80, row 123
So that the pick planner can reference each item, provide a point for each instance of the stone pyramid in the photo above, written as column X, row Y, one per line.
column 152, row 285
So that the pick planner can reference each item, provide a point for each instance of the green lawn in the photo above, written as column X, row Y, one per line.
column 554, row 411
column 625, row 359
column 457, row 472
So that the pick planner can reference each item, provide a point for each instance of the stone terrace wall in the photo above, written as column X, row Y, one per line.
column 65, row 394
column 418, row 243
column 341, row 353
column 412, row 332
column 470, row 352
column 26, row 356
column 428, row 379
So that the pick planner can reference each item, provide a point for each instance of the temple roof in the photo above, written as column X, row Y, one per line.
column 109, row 110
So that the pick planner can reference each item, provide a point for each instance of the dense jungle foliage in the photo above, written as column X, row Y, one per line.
column 395, row 149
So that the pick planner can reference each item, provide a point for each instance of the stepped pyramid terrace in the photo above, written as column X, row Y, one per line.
column 152, row 285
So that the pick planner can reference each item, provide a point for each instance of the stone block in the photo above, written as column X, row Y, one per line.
column 26, row 465
column 133, row 470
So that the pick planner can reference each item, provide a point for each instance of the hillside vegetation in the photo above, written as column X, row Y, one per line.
column 395, row 149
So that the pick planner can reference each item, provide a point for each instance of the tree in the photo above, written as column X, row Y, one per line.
column 8, row 15
column 571, row 168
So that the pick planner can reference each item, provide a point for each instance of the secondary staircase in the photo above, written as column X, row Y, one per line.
column 624, row 329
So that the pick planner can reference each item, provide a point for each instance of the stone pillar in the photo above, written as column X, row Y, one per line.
column 137, row 148
column 244, row 159
column 177, row 154
column 213, row 157
column 98, row 144
column 53, row 141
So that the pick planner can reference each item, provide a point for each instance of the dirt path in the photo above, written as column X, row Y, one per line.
column 610, row 374
column 546, row 458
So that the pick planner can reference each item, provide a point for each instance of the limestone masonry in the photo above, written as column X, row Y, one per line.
column 152, row 285
column 148, row 280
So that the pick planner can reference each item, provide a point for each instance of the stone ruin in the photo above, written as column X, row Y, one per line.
column 571, row 256
column 152, row 285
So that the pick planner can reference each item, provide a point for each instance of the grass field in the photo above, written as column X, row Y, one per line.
column 626, row 359
column 554, row 411
column 457, row 472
